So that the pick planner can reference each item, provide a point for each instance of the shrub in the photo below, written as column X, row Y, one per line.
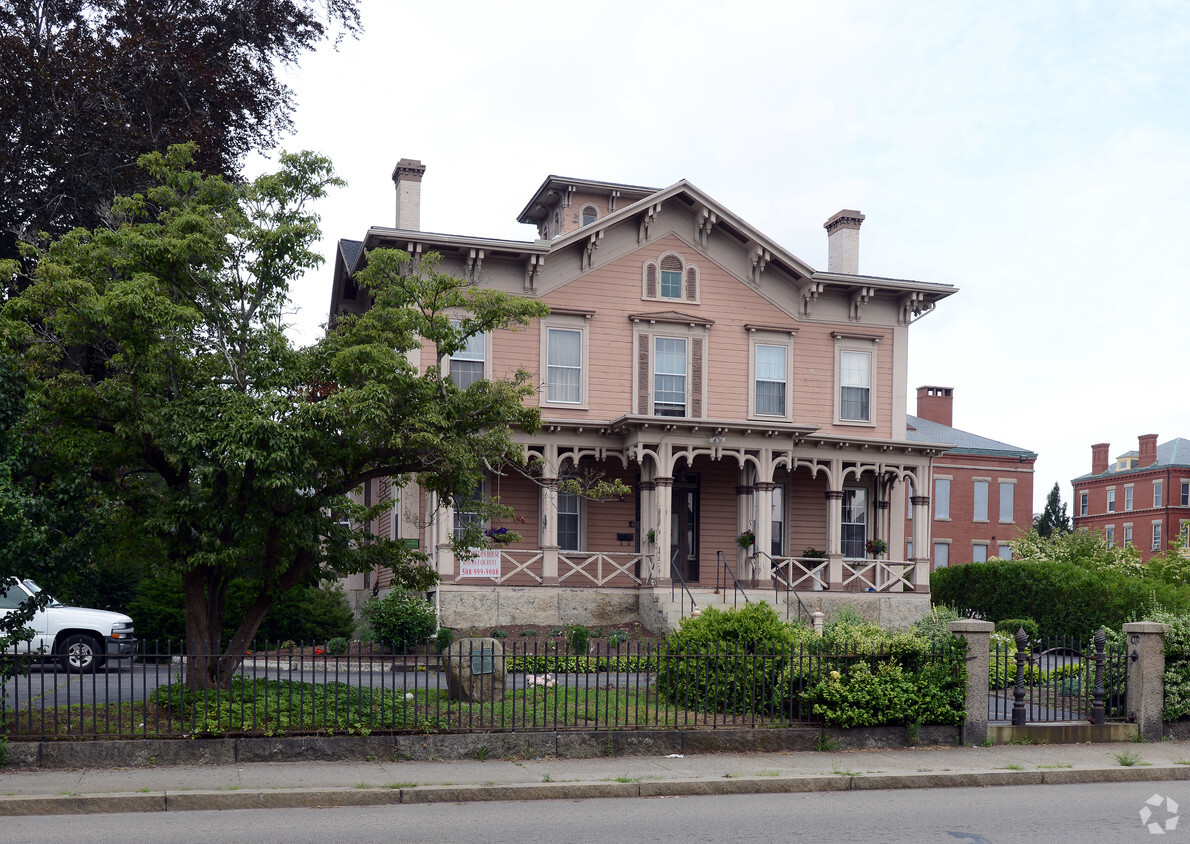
column 336, row 646
column 579, row 638
column 444, row 638
column 1065, row 599
column 932, row 626
column 863, row 697
column 400, row 619
column 1011, row 625
column 749, row 628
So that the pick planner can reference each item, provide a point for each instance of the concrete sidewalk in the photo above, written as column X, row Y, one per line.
column 316, row 784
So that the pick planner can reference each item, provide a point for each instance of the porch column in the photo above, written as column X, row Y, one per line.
column 922, row 549
column 549, row 528
column 764, row 531
column 743, row 521
column 648, row 496
column 441, row 530
column 834, row 537
column 664, row 509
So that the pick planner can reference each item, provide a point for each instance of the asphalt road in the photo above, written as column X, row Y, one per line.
column 1059, row 813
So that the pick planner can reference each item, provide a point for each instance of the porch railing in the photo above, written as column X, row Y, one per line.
column 809, row 574
column 721, row 585
column 863, row 575
column 601, row 568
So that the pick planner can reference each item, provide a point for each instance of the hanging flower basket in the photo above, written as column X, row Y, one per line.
column 876, row 547
column 501, row 535
column 746, row 539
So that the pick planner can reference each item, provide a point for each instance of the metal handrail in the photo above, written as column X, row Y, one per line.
column 778, row 578
column 737, row 590
column 673, row 570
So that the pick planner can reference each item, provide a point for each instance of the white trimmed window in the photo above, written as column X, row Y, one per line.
column 941, row 555
column 1006, row 501
column 564, row 366
column 1082, row 504
column 772, row 370
column 569, row 521
column 942, row 498
column 855, row 522
column 1186, row 493
column 1127, row 536
column 1184, row 530
column 467, row 509
column 1128, row 498
column 1111, row 499
column 467, row 365
column 979, row 512
column 855, row 386
column 1158, row 494
column 669, row 376
column 1109, row 534
column 1156, row 536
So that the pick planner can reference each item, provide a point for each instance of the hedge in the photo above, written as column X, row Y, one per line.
column 1064, row 599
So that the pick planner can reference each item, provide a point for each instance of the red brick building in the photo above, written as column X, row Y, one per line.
column 1142, row 498
column 983, row 489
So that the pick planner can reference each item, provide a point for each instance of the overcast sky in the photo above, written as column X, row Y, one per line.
column 1034, row 155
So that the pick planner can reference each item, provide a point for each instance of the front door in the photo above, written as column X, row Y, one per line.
column 684, row 526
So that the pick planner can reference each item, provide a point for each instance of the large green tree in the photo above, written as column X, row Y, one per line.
column 157, row 360
column 1053, row 519
column 87, row 86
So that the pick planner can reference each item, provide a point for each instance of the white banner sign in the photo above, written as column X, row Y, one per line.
column 485, row 563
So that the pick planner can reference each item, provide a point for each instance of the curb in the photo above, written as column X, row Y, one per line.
column 191, row 801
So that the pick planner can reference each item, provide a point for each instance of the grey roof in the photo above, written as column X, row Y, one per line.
column 1176, row 452
column 923, row 430
column 349, row 249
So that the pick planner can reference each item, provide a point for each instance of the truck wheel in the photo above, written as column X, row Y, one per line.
column 79, row 653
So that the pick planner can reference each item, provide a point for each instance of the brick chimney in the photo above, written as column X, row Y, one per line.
column 936, row 404
column 407, row 178
column 1099, row 458
column 1148, row 450
column 842, row 239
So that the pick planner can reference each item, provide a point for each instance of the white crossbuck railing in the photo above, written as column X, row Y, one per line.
column 805, row 573
column 877, row 575
column 598, row 567
column 513, row 563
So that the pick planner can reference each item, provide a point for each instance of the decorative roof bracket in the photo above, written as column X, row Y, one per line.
column 859, row 298
column 809, row 293
column 532, row 270
column 704, row 221
column 588, row 256
column 759, row 256
column 474, row 264
column 650, row 217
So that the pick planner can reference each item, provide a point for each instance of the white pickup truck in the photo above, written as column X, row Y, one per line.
column 80, row 639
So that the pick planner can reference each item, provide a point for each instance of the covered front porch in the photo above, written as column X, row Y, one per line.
column 712, row 505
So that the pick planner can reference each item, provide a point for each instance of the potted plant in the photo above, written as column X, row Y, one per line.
column 501, row 535
column 876, row 547
column 746, row 539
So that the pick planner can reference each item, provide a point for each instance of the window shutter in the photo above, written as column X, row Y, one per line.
column 651, row 281
column 696, row 377
column 691, row 285
column 642, row 376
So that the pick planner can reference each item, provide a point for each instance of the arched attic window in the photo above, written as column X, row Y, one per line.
column 670, row 278
column 590, row 215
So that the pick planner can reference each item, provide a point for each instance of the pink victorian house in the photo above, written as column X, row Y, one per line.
column 732, row 387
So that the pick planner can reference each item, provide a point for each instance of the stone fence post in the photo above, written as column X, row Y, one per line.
column 1145, row 694
column 979, row 641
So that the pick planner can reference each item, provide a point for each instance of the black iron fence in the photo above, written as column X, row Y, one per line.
column 1057, row 679
column 305, row 689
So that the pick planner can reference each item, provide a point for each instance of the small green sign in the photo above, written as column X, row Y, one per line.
column 481, row 661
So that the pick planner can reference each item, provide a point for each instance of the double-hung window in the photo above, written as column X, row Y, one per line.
column 1082, row 503
column 1111, row 500
column 1156, row 536
column 855, row 386
column 771, row 379
column 942, row 498
column 1006, row 502
column 564, row 366
column 855, row 522
column 669, row 376
column 941, row 555
column 1158, row 494
column 569, row 510
column 467, row 364
column 468, row 509
column 1127, row 499
column 980, row 506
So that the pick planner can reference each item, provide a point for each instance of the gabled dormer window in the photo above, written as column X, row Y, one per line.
column 670, row 278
